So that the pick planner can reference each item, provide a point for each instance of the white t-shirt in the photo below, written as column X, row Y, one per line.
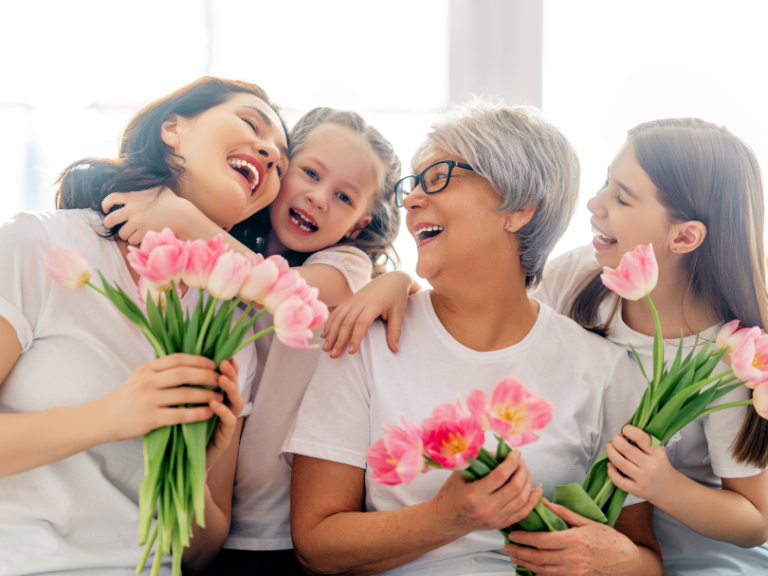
column 261, row 499
column 78, row 515
column 701, row 450
column 592, row 384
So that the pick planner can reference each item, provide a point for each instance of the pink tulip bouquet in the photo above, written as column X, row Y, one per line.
column 174, row 456
column 676, row 395
column 452, row 438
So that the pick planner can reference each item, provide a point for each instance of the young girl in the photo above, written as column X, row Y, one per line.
column 78, row 386
column 336, row 214
column 693, row 190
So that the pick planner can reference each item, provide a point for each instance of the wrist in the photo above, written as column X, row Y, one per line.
column 446, row 525
column 671, row 483
column 100, row 415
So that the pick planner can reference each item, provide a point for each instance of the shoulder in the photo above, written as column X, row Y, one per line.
column 351, row 262
column 564, row 276
column 50, row 226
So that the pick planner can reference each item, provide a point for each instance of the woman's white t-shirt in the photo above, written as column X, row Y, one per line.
column 592, row 384
column 78, row 515
column 261, row 498
column 701, row 450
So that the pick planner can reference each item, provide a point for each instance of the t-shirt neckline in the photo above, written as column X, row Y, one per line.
column 425, row 301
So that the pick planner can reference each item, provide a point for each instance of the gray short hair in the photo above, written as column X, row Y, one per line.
column 526, row 160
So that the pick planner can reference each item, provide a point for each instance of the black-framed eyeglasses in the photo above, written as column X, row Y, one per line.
column 433, row 179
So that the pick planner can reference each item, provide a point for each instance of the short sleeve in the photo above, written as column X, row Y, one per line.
column 23, row 279
column 621, row 397
column 721, row 429
column 563, row 277
column 333, row 422
column 353, row 263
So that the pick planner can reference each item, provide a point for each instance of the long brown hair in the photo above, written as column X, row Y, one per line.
column 703, row 172
column 144, row 160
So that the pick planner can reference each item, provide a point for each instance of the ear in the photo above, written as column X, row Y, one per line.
column 687, row 236
column 519, row 218
column 170, row 131
column 358, row 227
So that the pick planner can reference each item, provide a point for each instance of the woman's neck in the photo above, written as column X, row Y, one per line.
column 492, row 314
column 678, row 309
column 274, row 246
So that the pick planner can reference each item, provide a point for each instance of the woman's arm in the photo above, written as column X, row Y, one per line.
column 155, row 209
column 591, row 548
column 143, row 402
column 737, row 514
column 332, row 535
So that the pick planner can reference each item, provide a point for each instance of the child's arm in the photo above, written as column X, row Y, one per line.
column 385, row 296
column 737, row 514
column 158, row 208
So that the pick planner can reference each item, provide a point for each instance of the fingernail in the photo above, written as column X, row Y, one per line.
column 326, row 346
column 219, row 397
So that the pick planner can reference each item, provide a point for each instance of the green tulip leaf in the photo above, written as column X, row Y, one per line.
column 575, row 498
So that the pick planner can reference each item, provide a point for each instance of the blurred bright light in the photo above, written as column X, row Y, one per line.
column 609, row 66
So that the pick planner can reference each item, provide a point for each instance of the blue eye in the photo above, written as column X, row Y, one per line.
column 311, row 173
column 343, row 197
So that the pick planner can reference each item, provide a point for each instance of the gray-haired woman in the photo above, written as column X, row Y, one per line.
column 495, row 188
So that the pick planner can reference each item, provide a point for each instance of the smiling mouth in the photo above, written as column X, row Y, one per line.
column 428, row 232
column 301, row 221
column 602, row 238
column 245, row 169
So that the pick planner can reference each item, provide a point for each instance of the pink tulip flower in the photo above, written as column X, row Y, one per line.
column 202, row 259
column 287, row 284
column 68, row 267
column 147, row 289
column 730, row 336
column 451, row 436
column 398, row 457
column 636, row 275
column 259, row 281
column 292, row 319
column 512, row 412
column 228, row 275
column 760, row 398
column 319, row 314
column 161, row 258
column 750, row 358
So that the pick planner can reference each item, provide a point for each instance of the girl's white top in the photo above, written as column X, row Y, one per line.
column 78, row 515
column 261, row 499
column 592, row 384
column 701, row 450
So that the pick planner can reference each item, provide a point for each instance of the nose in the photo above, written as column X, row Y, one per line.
column 268, row 153
column 416, row 200
column 596, row 204
column 318, row 197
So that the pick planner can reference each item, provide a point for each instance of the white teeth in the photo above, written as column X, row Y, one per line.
column 430, row 229
column 602, row 238
column 304, row 223
column 237, row 163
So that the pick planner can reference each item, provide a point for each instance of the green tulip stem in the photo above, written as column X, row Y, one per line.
column 729, row 405
column 99, row 290
column 254, row 337
column 243, row 316
column 658, row 345
column 606, row 487
column 206, row 323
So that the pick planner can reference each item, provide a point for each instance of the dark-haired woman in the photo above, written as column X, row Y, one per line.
column 693, row 190
column 78, row 386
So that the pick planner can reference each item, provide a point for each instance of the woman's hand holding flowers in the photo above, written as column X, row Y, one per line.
column 640, row 469
column 498, row 500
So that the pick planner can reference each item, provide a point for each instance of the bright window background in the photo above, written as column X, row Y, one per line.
column 609, row 66
column 73, row 73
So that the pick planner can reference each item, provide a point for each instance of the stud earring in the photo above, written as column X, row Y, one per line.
column 674, row 250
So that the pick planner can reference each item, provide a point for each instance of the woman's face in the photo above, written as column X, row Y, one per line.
column 626, row 212
column 326, row 192
column 457, row 228
column 234, row 156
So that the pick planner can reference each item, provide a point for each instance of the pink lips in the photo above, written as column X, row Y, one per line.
column 259, row 168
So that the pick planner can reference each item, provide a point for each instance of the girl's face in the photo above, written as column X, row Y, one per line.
column 456, row 229
column 326, row 192
column 626, row 212
column 234, row 155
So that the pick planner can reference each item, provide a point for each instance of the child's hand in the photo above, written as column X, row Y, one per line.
column 646, row 471
column 152, row 209
column 227, row 412
column 386, row 296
